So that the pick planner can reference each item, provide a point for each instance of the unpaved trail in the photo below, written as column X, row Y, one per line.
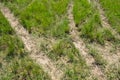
column 39, row 57
column 110, row 57
column 80, row 45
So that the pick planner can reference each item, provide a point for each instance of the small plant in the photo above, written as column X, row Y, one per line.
column 64, row 48
column 92, row 30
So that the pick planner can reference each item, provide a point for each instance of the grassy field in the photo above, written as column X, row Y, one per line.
column 14, row 61
column 42, row 16
column 48, row 19
column 112, row 11
column 34, row 19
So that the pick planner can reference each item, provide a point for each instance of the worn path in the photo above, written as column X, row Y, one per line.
column 110, row 57
column 41, row 59
column 80, row 45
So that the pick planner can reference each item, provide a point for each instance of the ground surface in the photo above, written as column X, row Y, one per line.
column 66, row 40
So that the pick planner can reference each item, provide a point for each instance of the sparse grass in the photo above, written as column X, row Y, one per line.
column 14, row 61
column 112, row 10
column 75, row 67
column 91, row 30
column 98, row 58
column 64, row 48
column 113, row 72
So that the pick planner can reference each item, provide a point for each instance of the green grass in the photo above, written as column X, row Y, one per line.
column 42, row 16
column 14, row 61
column 3, row 29
column 91, row 30
column 17, row 5
column 81, row 10
column 112, row 10
column 59, row 6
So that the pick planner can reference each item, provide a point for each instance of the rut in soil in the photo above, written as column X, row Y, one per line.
column 80, row 45
column 38, row 56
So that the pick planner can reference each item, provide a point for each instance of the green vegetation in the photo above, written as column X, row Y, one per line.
column 92, row 29
column 42, row 16
column 82, row 9
column 48, row 20
column 76, row 68
column 98, row 58
column 14, row 61
column 62, row 48
column 112, row 10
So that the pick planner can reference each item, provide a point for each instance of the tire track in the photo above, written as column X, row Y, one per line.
column 105, row 50
column 104, row 20
column 38, row 56
column 80, row 45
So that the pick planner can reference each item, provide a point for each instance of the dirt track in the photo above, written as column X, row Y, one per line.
column 80, row 45
column 39, row 57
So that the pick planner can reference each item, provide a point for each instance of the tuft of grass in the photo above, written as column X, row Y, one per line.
column 61, row 29
column 98, row 58
column 92, row 30
column 108, row 35
column 81, row 10
column 63, row 48
column 41, row 19
column 59, row 6
column 41, row 16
